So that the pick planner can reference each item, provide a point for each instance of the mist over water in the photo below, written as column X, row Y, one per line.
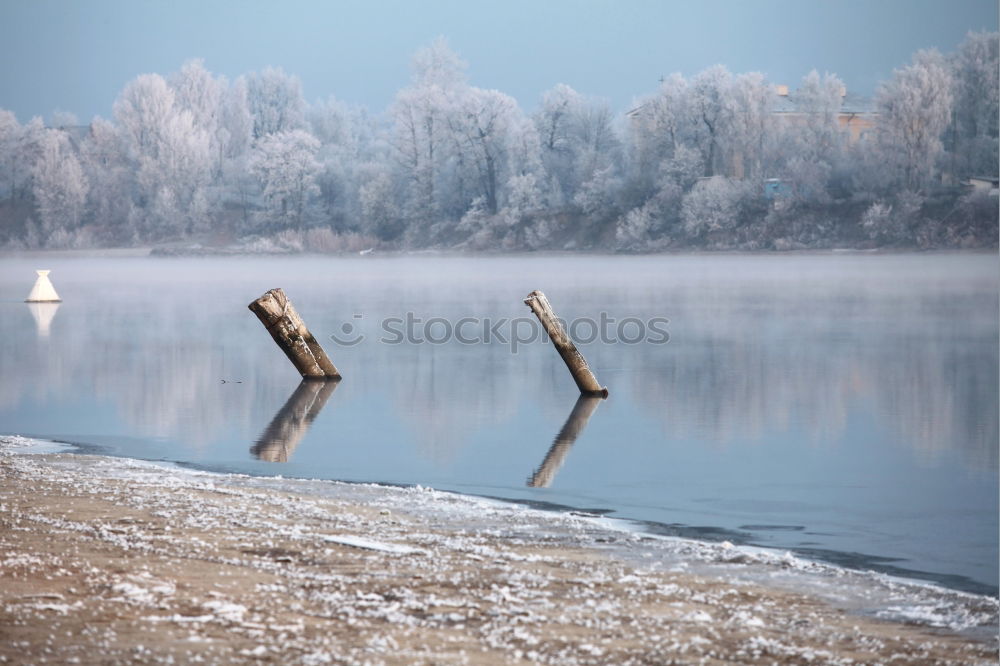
column 843, row 406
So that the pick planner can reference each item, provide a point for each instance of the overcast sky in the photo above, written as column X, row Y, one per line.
column 76, row 55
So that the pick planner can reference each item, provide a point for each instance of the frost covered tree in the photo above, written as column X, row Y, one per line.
column 914, row 109
column 658, row 126
column 598, row 143
column 348, row 146
column 524, row 147
column 10, row 131
column 749, row 109
column 712, row 205
column 285, row 164
column 683, row 169
column 819, row 99
column 235, row 120
column 196, row 90
column 669, row 113
column 58, row 184
column 330, row 122
column 180, row 175
column 554, row 122
column 576, row 137
column 813, row 145
column 450, row 163
column 64, row 120
column 421, row 115
column 380, row 216
column 709, row 93
column 235, row 135
column 19, row 149
column 480, row 128
column 105, row 164
column 596, row 197
column 524, row 197
column 171, row 157
column 27, row 151
column 141, row 111
column 275, row 101
column 498, row 162
column 520, row 212
column 554, row 119
column 972, row 137
column 893, row 223
column 632, row 229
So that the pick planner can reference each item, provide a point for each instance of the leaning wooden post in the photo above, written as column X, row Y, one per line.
column 285, row 325
column 575, row 361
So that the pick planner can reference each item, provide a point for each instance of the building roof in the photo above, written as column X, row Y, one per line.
column 851, row 103
column 75, row 133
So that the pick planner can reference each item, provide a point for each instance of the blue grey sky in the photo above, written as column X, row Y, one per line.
column 76, row 55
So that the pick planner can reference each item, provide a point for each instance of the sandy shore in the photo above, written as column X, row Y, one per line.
column 110, row 561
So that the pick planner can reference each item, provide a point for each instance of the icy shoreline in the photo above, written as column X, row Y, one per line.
column 412, row 571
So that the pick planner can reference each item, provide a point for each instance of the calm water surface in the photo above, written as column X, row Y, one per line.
column 841, row 406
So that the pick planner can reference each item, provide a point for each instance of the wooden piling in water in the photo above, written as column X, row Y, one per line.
column 285, row 325
column 577, row 364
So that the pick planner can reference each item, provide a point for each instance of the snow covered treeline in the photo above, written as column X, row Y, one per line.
column 719, row 160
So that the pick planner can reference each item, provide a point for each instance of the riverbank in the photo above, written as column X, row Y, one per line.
column 117, row 561
column 233, row 251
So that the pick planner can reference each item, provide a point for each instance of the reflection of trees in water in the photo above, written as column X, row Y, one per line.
column 942, row 399
column 160, row 364
column 447, row 394
column 721, row 391
column 165, row 374
column 744, row 361
column 931, row 380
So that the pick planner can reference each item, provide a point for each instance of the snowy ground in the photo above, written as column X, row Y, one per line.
column 117, row 561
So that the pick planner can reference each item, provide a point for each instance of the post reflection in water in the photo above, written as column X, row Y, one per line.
column 278, row 441
column 43, row 314
column 577, row 421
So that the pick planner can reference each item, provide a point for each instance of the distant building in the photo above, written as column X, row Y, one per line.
column 775, row 188
column 856, row 117
column 986, row 184
column 76, row 134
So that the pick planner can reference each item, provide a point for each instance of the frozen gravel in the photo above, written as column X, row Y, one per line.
column 113, row 561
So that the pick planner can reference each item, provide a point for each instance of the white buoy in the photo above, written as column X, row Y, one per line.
column 43, row 291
